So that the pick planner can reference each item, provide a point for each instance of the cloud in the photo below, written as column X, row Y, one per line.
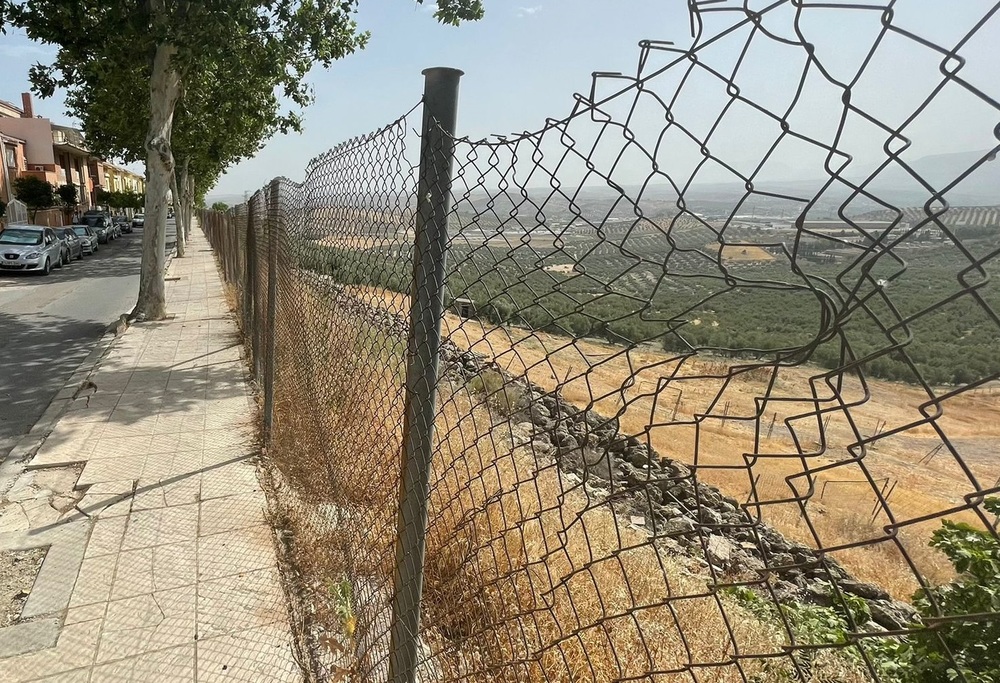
column 528, row 11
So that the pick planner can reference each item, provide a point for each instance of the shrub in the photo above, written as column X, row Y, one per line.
column 959, row 650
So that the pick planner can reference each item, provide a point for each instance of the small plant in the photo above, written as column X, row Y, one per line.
column 343, row 602
column 504, row 397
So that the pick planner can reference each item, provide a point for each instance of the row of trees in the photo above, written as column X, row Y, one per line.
column 217, row 80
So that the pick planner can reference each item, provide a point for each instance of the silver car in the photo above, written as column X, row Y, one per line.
column 30, row 248
column 88, row 237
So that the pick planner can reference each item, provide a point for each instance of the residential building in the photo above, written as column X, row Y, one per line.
column 57, row 154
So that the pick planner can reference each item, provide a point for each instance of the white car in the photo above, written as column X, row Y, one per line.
column 138, row 220
column 34, row 248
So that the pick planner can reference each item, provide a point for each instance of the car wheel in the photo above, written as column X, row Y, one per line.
column 46, row 267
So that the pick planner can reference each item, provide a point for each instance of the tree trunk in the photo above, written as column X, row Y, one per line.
column 180, row 222
column 164, row 89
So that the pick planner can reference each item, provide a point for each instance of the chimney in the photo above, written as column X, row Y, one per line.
column 29, row 111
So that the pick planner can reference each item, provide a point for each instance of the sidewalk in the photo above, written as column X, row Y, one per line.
column 160, row 562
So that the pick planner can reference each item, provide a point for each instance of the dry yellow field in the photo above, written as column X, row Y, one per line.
column 740, row 253
column 723, row 427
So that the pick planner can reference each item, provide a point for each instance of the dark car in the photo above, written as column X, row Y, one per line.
column 123, row 223
column 88, row 237
column 72, row 244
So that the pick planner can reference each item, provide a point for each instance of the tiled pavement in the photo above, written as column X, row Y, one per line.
column 164, row 570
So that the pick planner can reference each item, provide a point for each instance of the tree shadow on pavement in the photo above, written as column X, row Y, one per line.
column 40, row 352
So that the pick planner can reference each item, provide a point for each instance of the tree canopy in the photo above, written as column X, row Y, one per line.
column 202, row 83
column 36, row 193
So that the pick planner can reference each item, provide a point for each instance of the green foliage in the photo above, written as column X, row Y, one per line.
column 120, row 200
column 220, row 206
column 67, row 195
column 956, row 649
column 35, row 193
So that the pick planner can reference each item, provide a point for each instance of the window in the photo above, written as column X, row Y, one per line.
column 11, row 154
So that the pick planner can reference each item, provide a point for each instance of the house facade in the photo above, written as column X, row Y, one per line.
column 34, row 146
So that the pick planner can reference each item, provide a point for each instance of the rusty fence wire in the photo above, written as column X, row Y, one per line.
column 716, row 391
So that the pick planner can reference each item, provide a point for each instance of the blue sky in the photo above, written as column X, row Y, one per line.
column 524, row 61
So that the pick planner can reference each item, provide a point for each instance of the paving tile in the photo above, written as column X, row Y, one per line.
column 77, row 615
column 122, row 446
column 260, row 654
column 106, row 536
column 240, row 602
column 160, row 526
column 235, row 552
column 228, row 479
column 148, row 622
column 93, row 584
column 156, row 568
column 173, row 665
column 75, row 648
column 112, row 469
column 232, row 512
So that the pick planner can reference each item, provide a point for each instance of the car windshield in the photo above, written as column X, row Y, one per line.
column 15, row 236
column 80, row 230
column 95, row 221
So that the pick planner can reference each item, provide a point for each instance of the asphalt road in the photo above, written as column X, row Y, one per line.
column 48, row 325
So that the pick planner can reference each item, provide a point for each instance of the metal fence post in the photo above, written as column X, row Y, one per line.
column 253, row 316
column 273, row 225
column 426, row 307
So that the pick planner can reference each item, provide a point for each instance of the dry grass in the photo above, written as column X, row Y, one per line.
column 722, row 423
column 526, row 578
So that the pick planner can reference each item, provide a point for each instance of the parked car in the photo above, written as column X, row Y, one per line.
column 72, row 244
column 88, row 237
column 101, row 225
column 123, row 223
column 138, row 220
column 30, row 248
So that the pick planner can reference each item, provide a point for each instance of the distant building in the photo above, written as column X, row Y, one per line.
column 34, row 146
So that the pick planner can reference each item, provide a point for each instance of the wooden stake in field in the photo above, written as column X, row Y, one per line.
column 774, row 418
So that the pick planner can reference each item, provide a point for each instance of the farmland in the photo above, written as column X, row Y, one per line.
column 676, row 286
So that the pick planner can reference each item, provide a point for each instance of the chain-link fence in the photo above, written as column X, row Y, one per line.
column 701, row 380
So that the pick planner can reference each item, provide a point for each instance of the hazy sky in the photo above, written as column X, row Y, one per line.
column 523, row 63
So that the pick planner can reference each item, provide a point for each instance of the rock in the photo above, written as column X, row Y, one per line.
column 637, row 456
column 719, row 551
column 707, row 515
column 785, row 591
column 780, row 560
column 677, row 526
column 565, row 441
column 819, row 594
column 865, row 590
column 539, row 413
column 892, row 615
